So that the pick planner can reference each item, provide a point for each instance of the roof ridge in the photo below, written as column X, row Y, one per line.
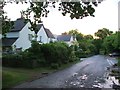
column 64, row 37
column 19, row 23
column 49, row 33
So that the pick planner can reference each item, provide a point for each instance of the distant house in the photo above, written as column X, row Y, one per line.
column 19, row 37
column 69, row 39
column 44, row 35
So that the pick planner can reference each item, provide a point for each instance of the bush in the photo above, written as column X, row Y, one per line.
column 33, row 57
column 25, row 60
column 55, row 53
column 54, row 66
column 12, row 60
column 52, row 54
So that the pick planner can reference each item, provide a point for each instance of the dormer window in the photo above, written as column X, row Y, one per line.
column 30, row 37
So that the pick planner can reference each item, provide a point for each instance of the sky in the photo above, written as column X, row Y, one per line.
column 106, row 16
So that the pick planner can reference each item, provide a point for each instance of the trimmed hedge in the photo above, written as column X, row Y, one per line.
column 52, row 54
column 19, row 61
column 11, row 60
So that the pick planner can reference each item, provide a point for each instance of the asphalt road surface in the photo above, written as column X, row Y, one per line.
column 89, row 73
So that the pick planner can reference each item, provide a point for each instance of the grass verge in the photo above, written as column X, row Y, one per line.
column 15, row 76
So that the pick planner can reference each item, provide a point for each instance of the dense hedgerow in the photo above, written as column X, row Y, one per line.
column 38, row 55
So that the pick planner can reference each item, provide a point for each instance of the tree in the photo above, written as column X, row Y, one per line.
column 76, row 10
column 65, row 33
column 111, row 43
column 78, row 35
column 73, row 32
column 88, row 37
column 6, row 23
column 98, row 45
column 108, row 43
column 102, row 33
column 87, row 48
column 116, row 43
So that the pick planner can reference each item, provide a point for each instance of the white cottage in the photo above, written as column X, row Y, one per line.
column 69, row 39
column 19, row 37
column 44, row 35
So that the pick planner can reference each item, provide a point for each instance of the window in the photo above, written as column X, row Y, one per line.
column 30, row 36
column 40, row 38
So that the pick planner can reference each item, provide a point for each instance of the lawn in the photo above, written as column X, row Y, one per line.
column 15, row 76
column 11, row 78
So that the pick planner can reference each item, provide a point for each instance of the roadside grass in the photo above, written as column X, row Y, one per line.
column 10, row 78
column 15, row 76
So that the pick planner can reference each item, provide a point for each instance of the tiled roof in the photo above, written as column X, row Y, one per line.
column 8, row 41
column 18, row 25
column 39, row 26
column 63, row 37
column 48, row 32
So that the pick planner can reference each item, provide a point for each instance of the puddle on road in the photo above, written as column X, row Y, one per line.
column 81, row 85
column 74, row 74
column 98, row 82
column 110, row 81
column 75, row 83
column 98, row 86
column 83, row 77
column 78, row 80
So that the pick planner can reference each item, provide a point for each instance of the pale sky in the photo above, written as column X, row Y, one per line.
column 106, row 16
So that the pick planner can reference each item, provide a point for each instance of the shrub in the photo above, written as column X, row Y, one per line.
column 54, row 66
column 25, row 60
column 52, row 54
column 56, row 53
column 12, row 60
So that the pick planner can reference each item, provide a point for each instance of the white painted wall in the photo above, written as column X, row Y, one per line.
column 42, row 33
column 54, row 39
column 23, row 40
column 45, row 38
column 70, row 42
column 0, row 36
column 12, row 34
column 71, row 39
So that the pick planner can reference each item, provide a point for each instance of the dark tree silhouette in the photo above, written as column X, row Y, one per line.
column 78, row 10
